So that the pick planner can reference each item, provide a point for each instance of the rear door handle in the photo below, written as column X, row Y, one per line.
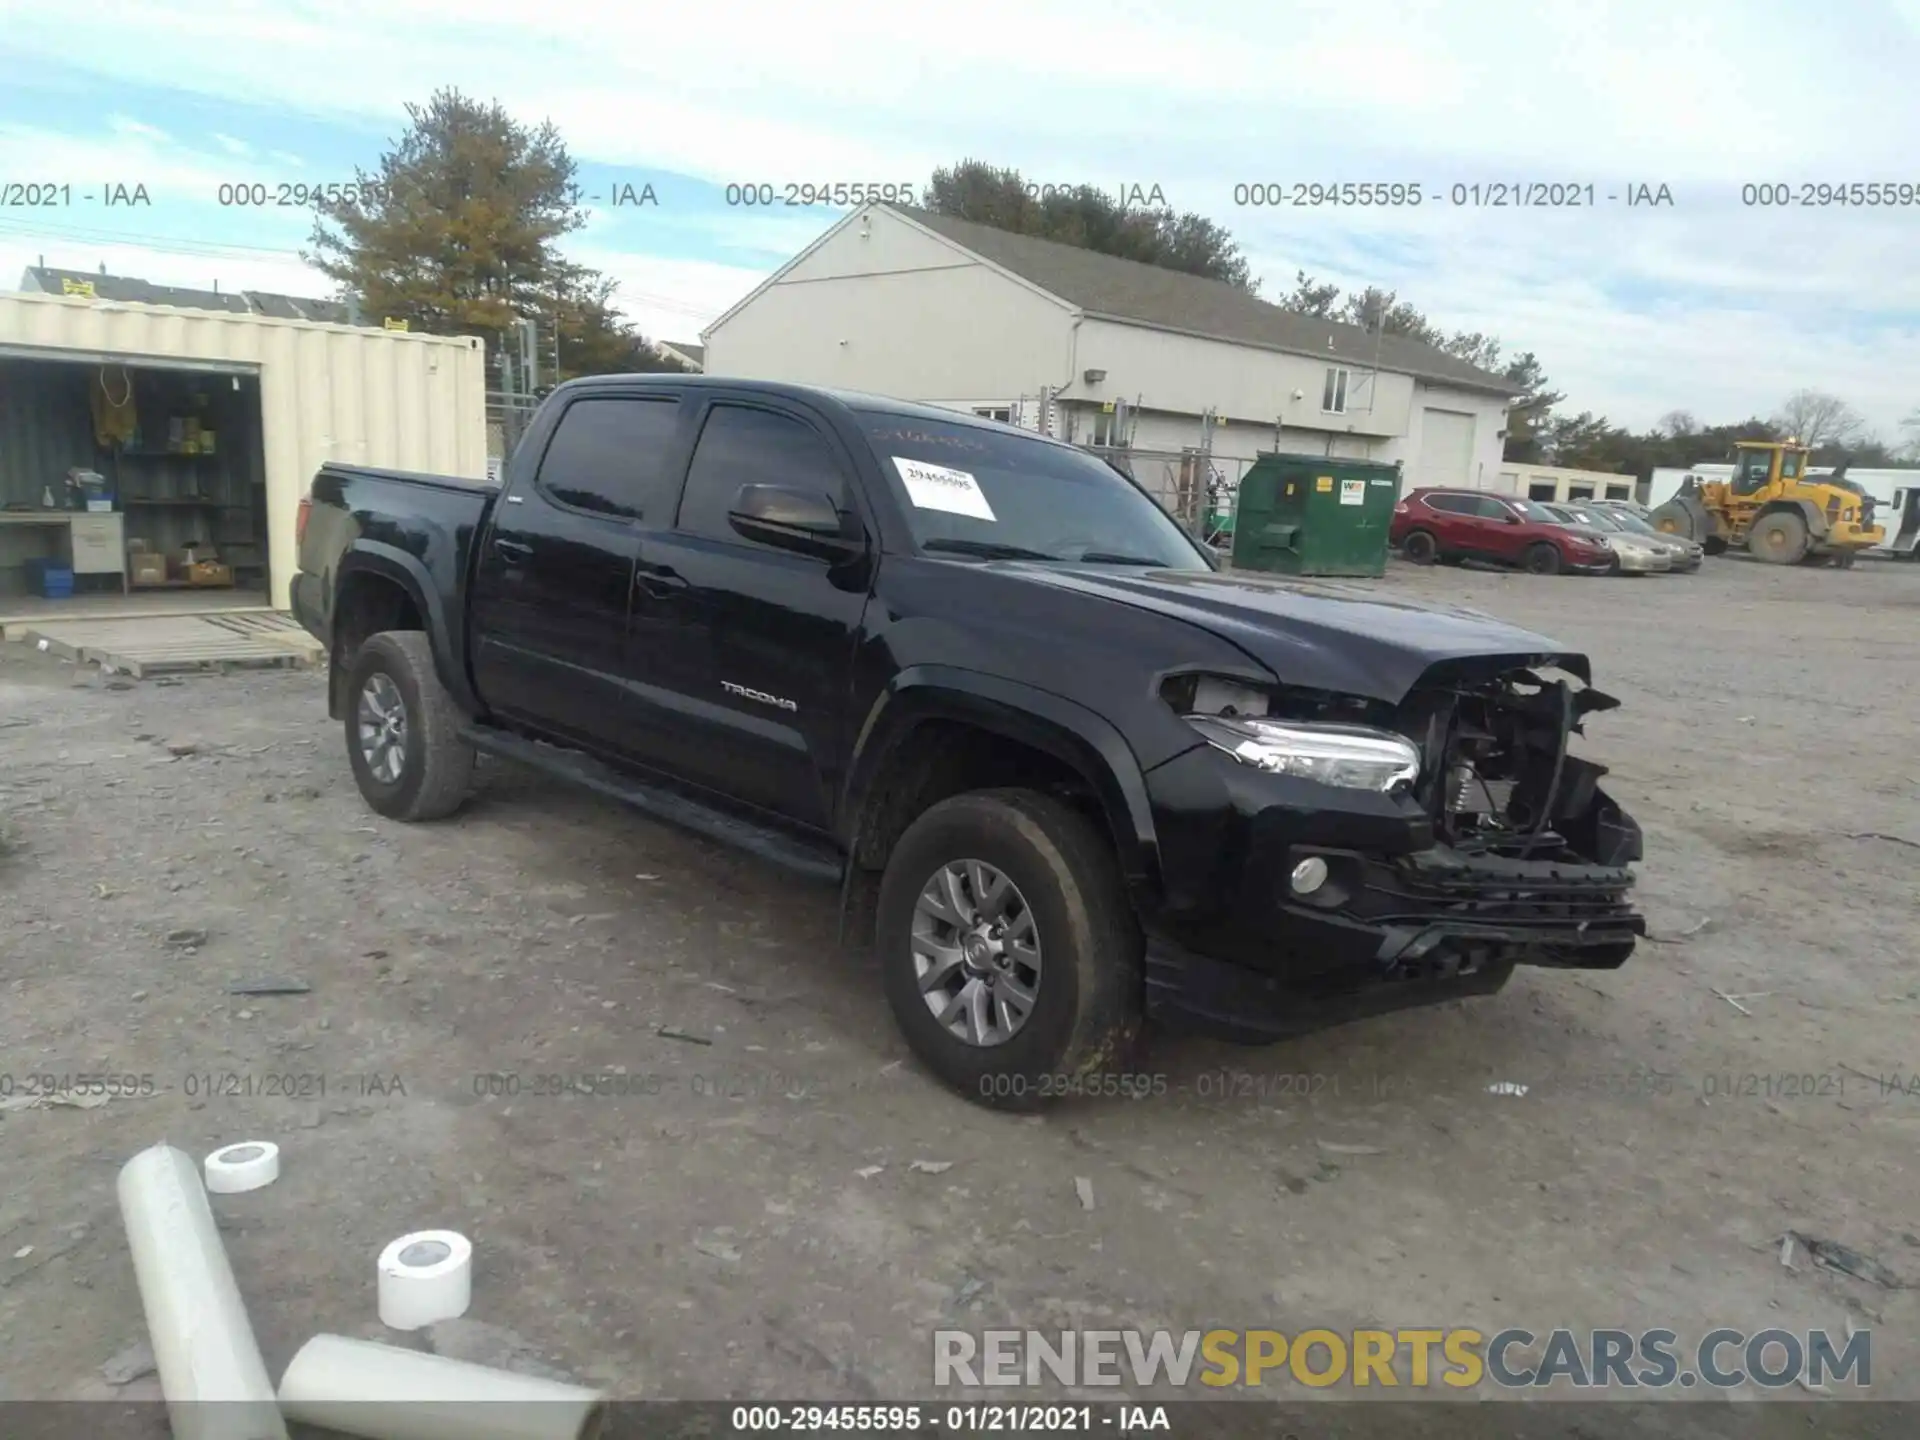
column 660, row 585
column 512, row 550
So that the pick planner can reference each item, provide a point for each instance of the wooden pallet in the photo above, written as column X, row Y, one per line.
column 169, row 644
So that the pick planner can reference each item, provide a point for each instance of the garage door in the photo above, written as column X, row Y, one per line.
column 1446, row 448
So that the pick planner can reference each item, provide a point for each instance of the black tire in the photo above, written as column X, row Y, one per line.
column 1086, row 1013
column 1543, row 559
column 436, row 765
column 1714, row 545
column 1420, row 547
column 1779, row 538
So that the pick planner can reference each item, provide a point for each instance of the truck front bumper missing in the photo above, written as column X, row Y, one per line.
column 1401, row 921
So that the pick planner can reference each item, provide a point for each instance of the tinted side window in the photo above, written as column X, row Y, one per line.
column 742, row 446
column 1452, row 504
column 609, row 456
column 1491, row 509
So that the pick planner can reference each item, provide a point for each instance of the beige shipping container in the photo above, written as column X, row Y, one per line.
column 327, row 392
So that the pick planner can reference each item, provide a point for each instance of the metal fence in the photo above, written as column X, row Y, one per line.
column 507, row 419
column 1196, row 488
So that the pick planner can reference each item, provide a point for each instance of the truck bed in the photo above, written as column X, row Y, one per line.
column 407, row 521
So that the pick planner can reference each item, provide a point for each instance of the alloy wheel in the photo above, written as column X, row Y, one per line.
column 382, row 718
column 976, row 952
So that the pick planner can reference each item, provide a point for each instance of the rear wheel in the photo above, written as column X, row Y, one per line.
column 1779, row 538
column 403, row 731
column 1008, row 949
column 1420, row 547
column 1543, row 559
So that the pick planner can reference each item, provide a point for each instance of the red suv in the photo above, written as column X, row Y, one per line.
column 1455, row 525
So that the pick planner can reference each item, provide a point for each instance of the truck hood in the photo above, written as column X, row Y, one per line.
column 1326, row 636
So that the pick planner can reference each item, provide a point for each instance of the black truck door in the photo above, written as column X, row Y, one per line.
column 556, row 569
column 764, row 711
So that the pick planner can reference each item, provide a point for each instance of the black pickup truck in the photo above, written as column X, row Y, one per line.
column 1075, row 775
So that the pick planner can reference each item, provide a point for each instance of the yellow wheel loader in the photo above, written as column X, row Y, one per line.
column 1773, row 509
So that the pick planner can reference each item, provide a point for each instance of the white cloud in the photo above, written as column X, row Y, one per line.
column 670, row 299
column 233, row 146
column 1711, row 305
column 136, row 130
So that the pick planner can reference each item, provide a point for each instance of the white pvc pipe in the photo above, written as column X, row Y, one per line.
column 211, row 1373
column 360, row 1387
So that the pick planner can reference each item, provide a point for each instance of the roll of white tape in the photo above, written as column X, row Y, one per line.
column 246, row 1166
column 424, row 1277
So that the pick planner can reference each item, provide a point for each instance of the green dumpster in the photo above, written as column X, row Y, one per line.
column 1314, row 515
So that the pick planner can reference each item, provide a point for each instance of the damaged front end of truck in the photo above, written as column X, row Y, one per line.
column 1362, row 855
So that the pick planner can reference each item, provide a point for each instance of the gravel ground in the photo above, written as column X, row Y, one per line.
column 783, row 1205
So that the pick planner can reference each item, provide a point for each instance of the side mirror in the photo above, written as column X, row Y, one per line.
column 804, row 521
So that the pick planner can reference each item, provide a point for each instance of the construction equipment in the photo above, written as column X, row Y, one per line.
column 1774, row 509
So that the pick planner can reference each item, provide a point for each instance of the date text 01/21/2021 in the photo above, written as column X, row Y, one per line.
column 83, row 1087
column 1123, row 1419
column 1491, row 195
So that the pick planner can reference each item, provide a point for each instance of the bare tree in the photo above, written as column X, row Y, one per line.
column 1910, row 433
column 1817, row 419
column 1676, row 423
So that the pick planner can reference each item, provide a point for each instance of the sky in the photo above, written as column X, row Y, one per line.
column 1709, row 301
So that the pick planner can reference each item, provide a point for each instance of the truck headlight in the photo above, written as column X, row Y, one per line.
column 1354, row 756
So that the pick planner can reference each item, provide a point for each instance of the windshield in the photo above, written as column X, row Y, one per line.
column 1536, row 512
column 969, row 490
column 1592, row 519
column 1626, row 520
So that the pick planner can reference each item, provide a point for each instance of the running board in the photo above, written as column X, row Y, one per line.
column 812, row 861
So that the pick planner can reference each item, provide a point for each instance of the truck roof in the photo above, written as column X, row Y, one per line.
column 859, row 400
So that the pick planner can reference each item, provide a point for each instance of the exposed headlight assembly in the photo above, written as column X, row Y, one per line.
column 1356, row 757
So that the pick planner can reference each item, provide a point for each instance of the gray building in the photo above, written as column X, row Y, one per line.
column 90, row 285
column 694, row 357
column 1103, row 351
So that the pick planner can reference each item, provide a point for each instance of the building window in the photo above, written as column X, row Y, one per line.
column 1543, row 490
column 1333, row 399
column 1619, row 492
column 1579, row 492
column 1002, row 413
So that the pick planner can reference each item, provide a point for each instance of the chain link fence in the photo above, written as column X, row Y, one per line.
column 507, row 418
column 1196, row 488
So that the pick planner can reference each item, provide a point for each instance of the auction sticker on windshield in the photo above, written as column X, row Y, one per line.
column 935, row 487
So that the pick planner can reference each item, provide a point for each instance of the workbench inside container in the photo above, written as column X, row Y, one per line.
column 180, row 455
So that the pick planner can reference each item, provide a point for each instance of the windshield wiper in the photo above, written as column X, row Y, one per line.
column 1106, row 557
column 987, row 549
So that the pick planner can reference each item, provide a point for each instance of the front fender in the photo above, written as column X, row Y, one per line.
column 391, row 563
column 1817, row 526
column 1068, row 731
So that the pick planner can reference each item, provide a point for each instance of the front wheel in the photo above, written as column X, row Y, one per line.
column 1543, row 559
column 1779, row 538
column 403, row 731
column 1008, row 949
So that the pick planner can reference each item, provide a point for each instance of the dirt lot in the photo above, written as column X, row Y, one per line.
column 758, row 1225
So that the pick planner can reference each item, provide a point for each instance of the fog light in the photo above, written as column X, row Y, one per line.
column 1309, row 875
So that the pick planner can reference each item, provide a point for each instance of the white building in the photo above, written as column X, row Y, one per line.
column 1560, row 484
column 1101, row 350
